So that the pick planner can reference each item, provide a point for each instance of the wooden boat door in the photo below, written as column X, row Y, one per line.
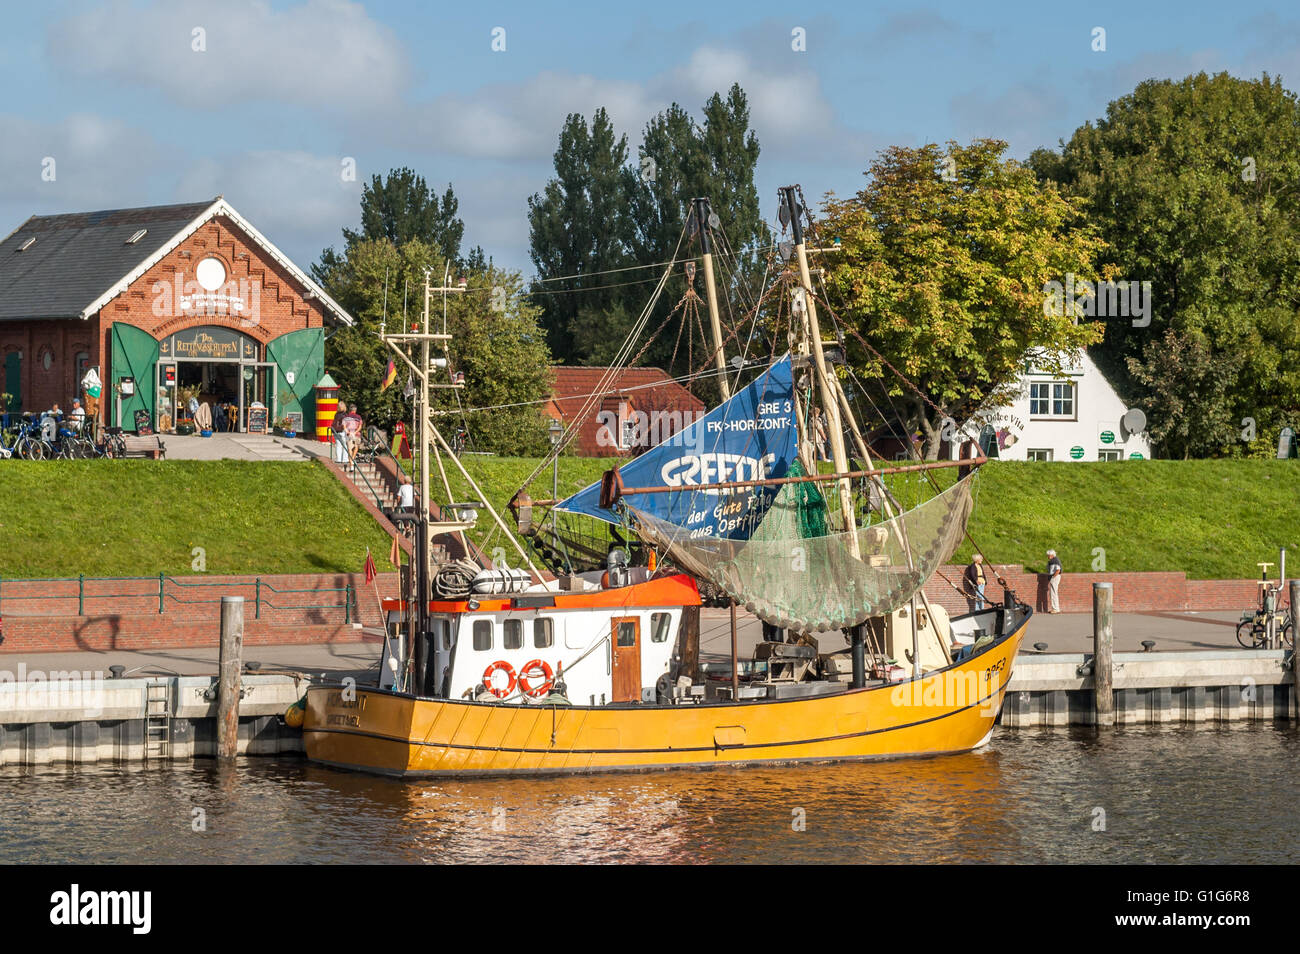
column 626, row 658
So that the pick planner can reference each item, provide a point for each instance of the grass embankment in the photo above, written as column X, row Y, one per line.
column 143, row 517
column 1212, row 519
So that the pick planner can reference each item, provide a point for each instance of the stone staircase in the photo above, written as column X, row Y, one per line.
column 374, row 484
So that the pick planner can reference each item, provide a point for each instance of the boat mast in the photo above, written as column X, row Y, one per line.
column 704, row 219
column 830, row 399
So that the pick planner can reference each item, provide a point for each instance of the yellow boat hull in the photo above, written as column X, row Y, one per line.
column 373, row 730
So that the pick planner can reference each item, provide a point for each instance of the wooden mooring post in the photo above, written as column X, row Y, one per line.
column 228, row 678
column 1103, row 638
column 1295, row 626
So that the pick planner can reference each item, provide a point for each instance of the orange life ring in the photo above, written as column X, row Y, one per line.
column 534, row 669
column 500, row 666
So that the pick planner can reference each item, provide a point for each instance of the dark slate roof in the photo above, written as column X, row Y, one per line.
column 79, row 256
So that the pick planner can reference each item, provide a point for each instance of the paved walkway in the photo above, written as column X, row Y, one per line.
column 1065, row 633
column 242, row 447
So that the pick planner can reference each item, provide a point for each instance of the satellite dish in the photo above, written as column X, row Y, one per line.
column 714, row 221
column 1134, row 421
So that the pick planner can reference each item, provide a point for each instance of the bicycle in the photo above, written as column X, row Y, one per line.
column 1252, row 631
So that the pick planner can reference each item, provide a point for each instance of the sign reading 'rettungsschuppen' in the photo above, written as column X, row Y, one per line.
column 208, row 342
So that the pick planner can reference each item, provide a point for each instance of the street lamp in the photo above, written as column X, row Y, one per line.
column 556, row 431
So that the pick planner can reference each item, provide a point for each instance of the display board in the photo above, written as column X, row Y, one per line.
column 257, row 420
column 143, row 422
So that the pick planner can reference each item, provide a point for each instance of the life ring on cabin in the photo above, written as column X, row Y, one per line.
column 533, row 670
column 499, row 666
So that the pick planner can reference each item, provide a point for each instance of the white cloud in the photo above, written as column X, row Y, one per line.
column 322, row 53
column 298, row 200
column 96, row 163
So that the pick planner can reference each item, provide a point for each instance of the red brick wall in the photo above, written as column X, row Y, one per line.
column 1134, row 592
column 42, row 389
column 49, row 621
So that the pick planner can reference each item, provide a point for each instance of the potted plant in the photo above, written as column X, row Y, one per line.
column 284, row 427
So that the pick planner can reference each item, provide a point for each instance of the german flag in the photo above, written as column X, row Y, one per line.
column 390, row 375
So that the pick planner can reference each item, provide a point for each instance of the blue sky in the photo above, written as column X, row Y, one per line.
column 285, row 93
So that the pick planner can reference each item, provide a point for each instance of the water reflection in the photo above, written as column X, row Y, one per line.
column 1033, row 796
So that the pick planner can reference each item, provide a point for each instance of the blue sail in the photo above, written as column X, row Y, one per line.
column 750, row 437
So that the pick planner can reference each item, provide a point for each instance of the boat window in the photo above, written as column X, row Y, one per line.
column 543, row 633
column 627, row 633
column 482, row 635
column 659, row 627
column 442, row 632
column 513, row 634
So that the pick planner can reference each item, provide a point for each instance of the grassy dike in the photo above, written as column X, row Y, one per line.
column 1212, row 519
column 144, row 517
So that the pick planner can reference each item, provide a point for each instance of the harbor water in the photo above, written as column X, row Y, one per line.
column 1130, row 795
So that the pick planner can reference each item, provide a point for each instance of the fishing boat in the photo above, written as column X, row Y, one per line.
column 492, row 670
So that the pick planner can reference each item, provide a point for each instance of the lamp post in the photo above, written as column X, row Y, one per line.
column 556, row 430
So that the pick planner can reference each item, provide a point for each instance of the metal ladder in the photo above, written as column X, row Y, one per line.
column 157, row 720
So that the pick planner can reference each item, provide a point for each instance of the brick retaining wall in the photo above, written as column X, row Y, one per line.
column 50, row 622
column 1134, row 592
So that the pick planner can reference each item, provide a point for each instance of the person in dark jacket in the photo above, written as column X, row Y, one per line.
column 973, row 583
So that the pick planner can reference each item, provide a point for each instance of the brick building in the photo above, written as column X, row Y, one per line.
column 639, row 408
column 159, row 299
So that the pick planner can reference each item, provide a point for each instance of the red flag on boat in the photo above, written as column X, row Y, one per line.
column 371, row 572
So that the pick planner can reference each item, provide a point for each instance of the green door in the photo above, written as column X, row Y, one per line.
column 302, row 355
column 135, row 355
column 14, row 381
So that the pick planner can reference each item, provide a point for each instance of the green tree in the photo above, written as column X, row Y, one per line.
column 680, row 160
column 945, row 256
column 1186, row 394
column 402, row 208
column 497, row 343
column 1195, row 186
column 602, row 212
column 578, row 228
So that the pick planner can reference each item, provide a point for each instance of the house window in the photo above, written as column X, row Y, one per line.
column 543, row 632
column 1051, row 399
column 1039, row 453
column 513, row 635
column 1110, row 453
column 482, row 635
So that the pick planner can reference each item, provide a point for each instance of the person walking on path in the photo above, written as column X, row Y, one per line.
column 1053, row 582
column 973, row 584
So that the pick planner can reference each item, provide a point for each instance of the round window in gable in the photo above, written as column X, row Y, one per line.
column 210, row 273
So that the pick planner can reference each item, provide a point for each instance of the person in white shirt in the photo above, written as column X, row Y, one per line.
column 405, row 494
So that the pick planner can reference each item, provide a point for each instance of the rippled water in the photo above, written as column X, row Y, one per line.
column 1169, row 795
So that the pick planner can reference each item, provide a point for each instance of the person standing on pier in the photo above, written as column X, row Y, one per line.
column 973, row 584
column 1053, row 582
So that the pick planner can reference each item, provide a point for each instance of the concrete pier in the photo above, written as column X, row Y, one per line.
column 1154, row 688
column 85, row 720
